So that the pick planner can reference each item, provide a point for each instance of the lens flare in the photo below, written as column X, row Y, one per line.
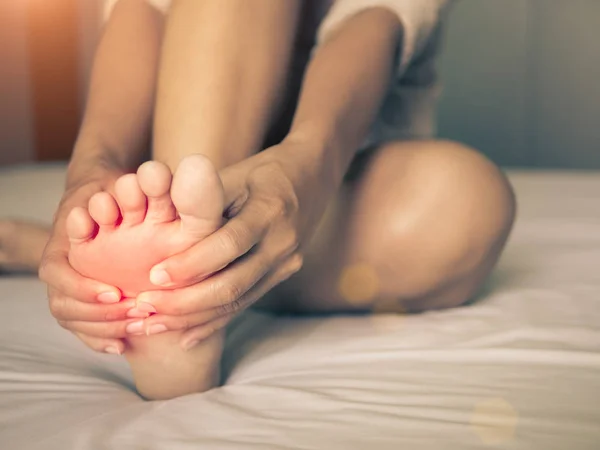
column 494, row 420
column 359, row 284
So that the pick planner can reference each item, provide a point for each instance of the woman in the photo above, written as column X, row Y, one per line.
column 352, row 206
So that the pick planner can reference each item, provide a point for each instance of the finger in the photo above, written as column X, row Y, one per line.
column 219, row 291
column 107, row 330
column 159, row 323
column 194, row 336
column 56, row 271
column 292, row 265
column 285, row 270
column 111, row 346
column 215, row 252
column 67, row 308
column 234, row 185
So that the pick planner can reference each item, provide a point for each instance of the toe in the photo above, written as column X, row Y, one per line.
column 197, row 193
column 154, row 179
column 80, row 225
column 131, row 199
column 104, row 210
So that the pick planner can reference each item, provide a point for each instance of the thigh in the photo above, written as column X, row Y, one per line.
column 416, row 225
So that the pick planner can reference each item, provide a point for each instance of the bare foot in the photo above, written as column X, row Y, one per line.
column 21, row 245
column 118, row 240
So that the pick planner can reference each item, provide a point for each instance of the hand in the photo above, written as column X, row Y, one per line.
column 274, row 201
column 74, row 299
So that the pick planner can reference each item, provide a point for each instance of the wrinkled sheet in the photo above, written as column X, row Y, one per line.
column 517, row 369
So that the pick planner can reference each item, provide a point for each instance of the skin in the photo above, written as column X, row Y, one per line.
column 112, row 141
column 119, row 237
column 428, row 245
column 248, row 48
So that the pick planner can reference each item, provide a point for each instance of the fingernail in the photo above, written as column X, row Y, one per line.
column 159, row 277
column 146, row 307
column 108, row 297
column 129, row 303
column 136, row 313
column 135, row 327
column 112, row 350
column 190, row 345
column 155, row 329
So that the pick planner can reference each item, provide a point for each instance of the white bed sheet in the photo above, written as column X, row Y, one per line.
column 519, row 369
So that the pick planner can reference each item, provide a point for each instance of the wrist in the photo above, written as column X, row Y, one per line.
column 96, row 142
column 90, row 163
column 322, row 148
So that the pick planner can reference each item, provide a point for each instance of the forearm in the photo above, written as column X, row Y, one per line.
column 116, row 126
column 223, row 72
column 344, row 87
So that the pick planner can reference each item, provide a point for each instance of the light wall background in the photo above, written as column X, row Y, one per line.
column 18, row 28
column 16, row 128
column 521, row 79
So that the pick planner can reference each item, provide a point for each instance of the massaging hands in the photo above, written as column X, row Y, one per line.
column 274, row 201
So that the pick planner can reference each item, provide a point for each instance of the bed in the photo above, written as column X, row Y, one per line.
column 517, row 369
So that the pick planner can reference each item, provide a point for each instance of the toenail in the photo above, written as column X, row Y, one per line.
column 155, row 329
column 112, row 350
column 159, row 277
column 190, row 345
column 135, row 327
column 108, row 297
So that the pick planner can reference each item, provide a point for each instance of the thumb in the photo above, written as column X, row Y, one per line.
column 234, row 188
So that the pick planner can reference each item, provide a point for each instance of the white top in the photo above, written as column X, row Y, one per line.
column 409, row 110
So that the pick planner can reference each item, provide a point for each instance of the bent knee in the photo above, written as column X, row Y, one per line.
column 452, row 212
column 447, row 194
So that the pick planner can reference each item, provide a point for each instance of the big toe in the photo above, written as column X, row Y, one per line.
column 154, row 179
column 197, row 193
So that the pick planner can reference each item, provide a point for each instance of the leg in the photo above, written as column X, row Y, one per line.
column 418, row 225
column 224, row 113
column 223, row 78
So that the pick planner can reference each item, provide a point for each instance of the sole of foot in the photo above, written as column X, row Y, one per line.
column 120, row 236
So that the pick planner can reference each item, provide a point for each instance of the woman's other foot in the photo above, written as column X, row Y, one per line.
column 21, row 245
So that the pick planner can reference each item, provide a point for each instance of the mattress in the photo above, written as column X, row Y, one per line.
column 517, row 369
